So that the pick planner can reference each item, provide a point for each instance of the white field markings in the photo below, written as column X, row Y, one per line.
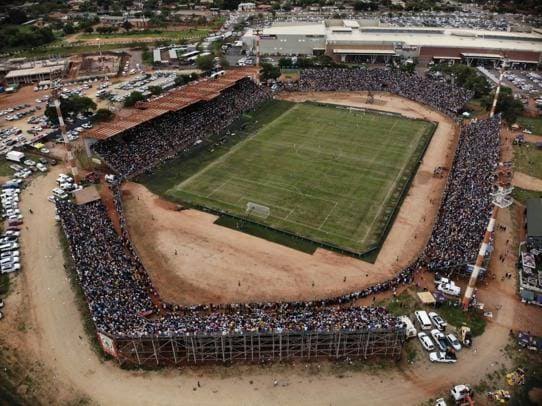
column 223, row 158
column 216, row 189
column 393, row 185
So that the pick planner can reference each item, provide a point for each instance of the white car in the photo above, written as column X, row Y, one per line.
column 63, row 178
column 442, row 358
column 460, row 392
column 11, row 268
column 41, row 167
column 438, row 321
column 449, row 289
column 454, row 342
column 426, row 341
column 29, row 162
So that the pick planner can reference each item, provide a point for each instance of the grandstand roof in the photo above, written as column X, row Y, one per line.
column 177, row 99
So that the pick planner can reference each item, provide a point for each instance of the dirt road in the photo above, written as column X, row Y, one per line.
column 191, row 260
column 525, row 181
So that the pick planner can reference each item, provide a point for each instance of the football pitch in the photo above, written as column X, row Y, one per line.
column 332, row 175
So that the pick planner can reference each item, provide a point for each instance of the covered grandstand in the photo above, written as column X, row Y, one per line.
column 176, row 100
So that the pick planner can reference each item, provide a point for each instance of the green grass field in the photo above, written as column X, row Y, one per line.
column 528, row 159
column 326, row 173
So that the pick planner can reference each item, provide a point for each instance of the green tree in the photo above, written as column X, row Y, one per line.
column 133, row 98
column 509, row 107
column 103, row 115
column 68, row 29
column 71, row 106
column 205, row 62
column 155, row 90
column 269, row 71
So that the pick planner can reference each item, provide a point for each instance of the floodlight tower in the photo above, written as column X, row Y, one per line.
column 258, row 32
column 70, row 159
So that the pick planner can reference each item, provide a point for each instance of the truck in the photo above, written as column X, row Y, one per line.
column 410, row 330
column 15, row 156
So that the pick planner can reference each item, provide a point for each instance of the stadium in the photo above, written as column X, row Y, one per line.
column 345, row 161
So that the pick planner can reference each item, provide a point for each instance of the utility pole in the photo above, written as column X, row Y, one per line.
column 70, row 159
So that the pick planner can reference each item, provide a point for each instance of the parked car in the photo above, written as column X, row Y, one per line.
column 425, row 341
column 41, row 167
column 454, row 342
column 449, row 289
column 11, row 268
column 439, row 338
column 442, row 357
column 461, row 392
column 438, row 321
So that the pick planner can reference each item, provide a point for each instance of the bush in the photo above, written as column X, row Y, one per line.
column 103, row 115
column 133, row 98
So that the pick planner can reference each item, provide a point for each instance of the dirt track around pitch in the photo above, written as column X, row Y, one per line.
column 191, row 260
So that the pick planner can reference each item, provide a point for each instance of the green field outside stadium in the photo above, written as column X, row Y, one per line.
column 330, row 174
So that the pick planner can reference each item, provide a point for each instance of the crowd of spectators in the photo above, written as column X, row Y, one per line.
column 150, row 143
column 124, row 303
column 438, row 94
column 466, row 205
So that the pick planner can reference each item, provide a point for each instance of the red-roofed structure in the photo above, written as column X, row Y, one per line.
column 178, row 99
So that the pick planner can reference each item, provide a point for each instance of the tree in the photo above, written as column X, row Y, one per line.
column 155, row 90
column 103, row 115
column 16, row 16
column 68, row 29
column 184, row 79
column 71, row 106
column 133, row 98
column 127, row 25
column 509, row 107
column 269, row 71
column 205, row 62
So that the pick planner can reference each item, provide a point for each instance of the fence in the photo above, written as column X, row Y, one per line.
column 258, row 347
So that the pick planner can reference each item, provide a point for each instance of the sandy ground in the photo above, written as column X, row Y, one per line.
column 53, row 339
column 193, row 261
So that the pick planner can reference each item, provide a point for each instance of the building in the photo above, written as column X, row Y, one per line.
column 353, row 41
column 37, row 71
column 246, row 7
column 534, row 222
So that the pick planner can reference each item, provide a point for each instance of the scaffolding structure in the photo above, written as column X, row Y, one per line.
column 259, row 347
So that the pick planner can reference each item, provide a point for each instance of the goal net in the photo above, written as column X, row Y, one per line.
column 257, row 210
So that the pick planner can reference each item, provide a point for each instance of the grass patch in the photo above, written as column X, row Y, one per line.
column 192, row 33
column 404, row 303
column 4, row 284
column 528, row 159
column 5, row 170
column 532, row 124
column 475, row 106
column 165, row 177
column 327, row 174
column 82, row 305
column 457, row 318
column 522, row 195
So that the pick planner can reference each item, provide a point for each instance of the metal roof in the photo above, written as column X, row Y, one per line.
column 175, row 100
column 534, row 218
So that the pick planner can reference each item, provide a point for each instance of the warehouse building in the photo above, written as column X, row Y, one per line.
column 37, row 73
column 353, row 41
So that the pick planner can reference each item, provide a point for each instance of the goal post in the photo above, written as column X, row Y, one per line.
column 258, row 210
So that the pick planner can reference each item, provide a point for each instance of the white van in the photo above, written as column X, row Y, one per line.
column 410, row 330
column 423, row 320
